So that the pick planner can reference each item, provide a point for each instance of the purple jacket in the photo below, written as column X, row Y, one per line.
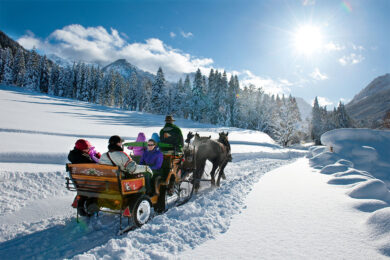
column 138, row 151
column 153, row 159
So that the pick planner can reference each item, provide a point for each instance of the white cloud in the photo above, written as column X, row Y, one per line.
column 357, row 47
column 269, row 85
column 317, row 75
column 172, row 34
column 331, row 46
column 323, row 101
column 29, row 41
column 308, row 2
column 351, row 59
column 186, row 35
column 97, row 45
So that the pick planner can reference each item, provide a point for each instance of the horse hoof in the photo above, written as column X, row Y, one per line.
column 223, row 176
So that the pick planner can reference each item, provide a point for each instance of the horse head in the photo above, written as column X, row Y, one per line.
column 190, row 135
column 223, row 138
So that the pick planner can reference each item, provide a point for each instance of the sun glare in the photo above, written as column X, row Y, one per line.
column 308, row 39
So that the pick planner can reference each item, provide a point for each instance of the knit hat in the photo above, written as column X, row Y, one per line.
column 82, row 144
column 141, row 137
column 155, row 137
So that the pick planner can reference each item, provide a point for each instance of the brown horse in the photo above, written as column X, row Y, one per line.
column 217, row 152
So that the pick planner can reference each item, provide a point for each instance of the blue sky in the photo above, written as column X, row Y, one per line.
column 331, row 49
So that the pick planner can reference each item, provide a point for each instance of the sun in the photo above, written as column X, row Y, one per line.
column 308, row 39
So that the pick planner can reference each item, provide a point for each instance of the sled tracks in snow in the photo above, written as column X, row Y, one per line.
column 207, row 214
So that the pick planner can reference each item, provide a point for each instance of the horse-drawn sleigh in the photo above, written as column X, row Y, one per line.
column 108, row 189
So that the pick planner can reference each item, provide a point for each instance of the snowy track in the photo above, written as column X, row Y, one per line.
column 47, row 228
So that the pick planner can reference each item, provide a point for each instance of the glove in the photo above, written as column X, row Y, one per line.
column 95, row 156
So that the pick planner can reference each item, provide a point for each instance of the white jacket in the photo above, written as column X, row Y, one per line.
column 124, row 162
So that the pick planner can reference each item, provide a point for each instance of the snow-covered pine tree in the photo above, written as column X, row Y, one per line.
column 174, row 100
column 76, row 73
column 179, row 98
column 289, row 123
column 187, row 97
column 223, row 108
column 134, row 97
column 99, row 86
column 92, row 85
column 316, row 123
column 243, row 108
column 197, row 98
column 19, row 68
column 343, row 119
column 264, row 110
column 129, row 102
column 53, row 81
column 146, row 87
column 108, row 89
column 232, row 100
column 135, row 81
column 83, row 84
column 119, row 90
column 68, row 84
column 158, row 101
column 2, row 58
column 8, row 72
column 63, row 86
column 44, row 78
column 33, row 71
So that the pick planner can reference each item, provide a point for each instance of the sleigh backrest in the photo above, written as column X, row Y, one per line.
column 92, row 177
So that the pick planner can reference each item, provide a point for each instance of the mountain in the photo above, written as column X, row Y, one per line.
column 7, row 42
column 125, row 68
column 60, row 61
column 304, row 108
column 372, row 103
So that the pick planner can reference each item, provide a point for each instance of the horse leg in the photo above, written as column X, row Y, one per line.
column 198, row 174
column 221, row 173
column 212, row 173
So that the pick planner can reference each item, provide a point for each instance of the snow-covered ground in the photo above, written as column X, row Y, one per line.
column 275, row 204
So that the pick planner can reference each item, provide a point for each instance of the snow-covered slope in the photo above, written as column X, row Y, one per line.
column 360, row 163
column 373, row 101
column 288, row 213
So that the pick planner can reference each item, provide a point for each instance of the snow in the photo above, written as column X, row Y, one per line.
column 289, row 215
column 365, row 173
column 275, row 204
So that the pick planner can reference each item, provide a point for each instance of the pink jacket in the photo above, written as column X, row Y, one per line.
column 138, row 151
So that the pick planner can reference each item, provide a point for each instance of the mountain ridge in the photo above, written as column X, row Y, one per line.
column 370, row 105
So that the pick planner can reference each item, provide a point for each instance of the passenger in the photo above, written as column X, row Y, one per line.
column 117, row 157
column 138, row 150
column 171, row 134
column 82, row 153
column 152, row 157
